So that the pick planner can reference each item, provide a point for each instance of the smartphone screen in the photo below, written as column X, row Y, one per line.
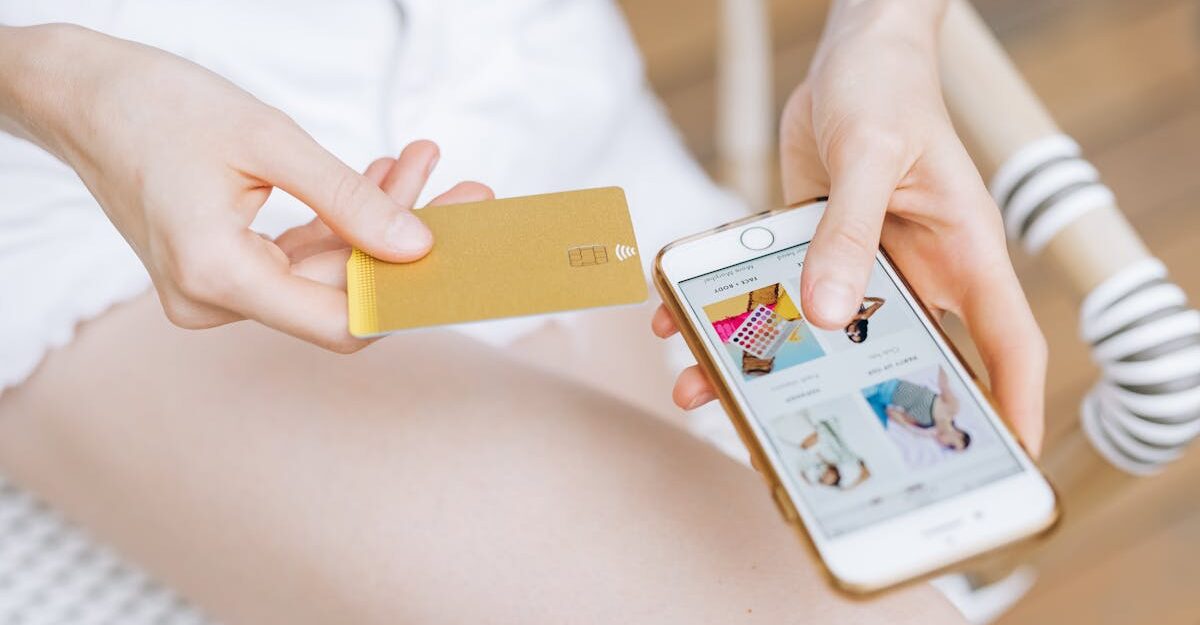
column 869, row 421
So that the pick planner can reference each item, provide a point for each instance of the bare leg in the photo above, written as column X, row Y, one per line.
column 426, row 479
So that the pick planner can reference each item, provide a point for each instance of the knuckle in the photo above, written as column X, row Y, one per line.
column 262, row 127
column 860, row 139
column 799, row 98
column 58, row 33
column 268, row 121
column 350, row 191
column 200, row 273
column 796, row 111
column 183, row 313
column 854, row 235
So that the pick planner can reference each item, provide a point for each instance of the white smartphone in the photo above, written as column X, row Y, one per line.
column 874, row 439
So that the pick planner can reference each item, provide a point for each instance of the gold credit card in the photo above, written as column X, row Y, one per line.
column 503, row 258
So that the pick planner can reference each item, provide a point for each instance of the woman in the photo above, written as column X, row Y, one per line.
column 823, row 456
column 431, row 478
column 923, row 410
column 856, row 330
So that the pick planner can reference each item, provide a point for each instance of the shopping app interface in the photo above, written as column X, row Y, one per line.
column 870, row 421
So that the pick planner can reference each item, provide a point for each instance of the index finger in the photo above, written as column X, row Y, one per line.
column 352, row 205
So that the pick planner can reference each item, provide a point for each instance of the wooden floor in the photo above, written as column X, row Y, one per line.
column 1123, row 77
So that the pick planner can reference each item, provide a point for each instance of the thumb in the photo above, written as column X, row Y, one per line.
column 354, row 207
column 839, row 260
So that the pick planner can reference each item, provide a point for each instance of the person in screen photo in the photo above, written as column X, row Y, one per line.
column 824, row 458
column 763, row 330
column 921, row 409
column 856, row 330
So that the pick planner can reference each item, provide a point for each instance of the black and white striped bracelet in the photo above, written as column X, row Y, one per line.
column 1146, row 339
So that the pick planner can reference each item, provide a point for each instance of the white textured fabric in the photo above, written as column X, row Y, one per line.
column 528, row 96
column 51, row 572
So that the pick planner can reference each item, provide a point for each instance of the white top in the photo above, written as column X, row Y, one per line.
column 528, row 96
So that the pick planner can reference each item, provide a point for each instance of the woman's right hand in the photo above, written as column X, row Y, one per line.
column 181, row 161
column 869, row 129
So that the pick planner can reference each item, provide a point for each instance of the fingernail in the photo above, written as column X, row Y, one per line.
column 832, row 301
column 408, row 235
column 700, row 400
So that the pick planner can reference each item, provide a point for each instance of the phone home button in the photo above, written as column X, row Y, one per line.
column 757, row 238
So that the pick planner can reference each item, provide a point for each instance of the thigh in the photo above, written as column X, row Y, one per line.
column 425, row 479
